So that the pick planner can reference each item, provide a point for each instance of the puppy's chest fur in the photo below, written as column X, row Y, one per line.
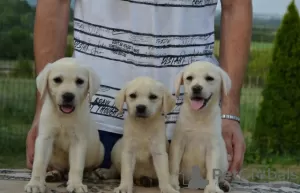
column 144, row 149
column 199, row 139
column 144, row 143
column 67, row 134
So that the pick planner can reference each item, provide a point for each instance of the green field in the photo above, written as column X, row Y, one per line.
column 254, row 46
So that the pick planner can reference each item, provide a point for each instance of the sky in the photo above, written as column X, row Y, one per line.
column 273, row 7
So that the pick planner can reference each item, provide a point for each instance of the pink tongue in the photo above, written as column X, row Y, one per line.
column 67, row 109
column 196, row 105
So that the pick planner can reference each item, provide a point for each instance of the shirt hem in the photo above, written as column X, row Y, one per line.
column 109, row 128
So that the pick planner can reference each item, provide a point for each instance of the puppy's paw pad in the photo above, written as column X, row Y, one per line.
column 168, row 189
column 103, row 173
column 212, row 189
column 123, row 189
column 35, row 187
column 77, row 187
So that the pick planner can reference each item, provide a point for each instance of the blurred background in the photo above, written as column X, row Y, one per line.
column 272, row 131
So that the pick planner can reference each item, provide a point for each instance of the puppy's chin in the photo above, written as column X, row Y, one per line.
column 198, row 102
column 66, row 108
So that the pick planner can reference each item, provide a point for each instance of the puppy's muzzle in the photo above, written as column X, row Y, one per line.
column 67, row 105
column 141, row 111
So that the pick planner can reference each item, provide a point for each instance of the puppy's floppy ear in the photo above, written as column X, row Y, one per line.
column 169, row 102
column 226, row 81
column 94, row 83
column 42, row 80
column 178, row 83
column 120, row 99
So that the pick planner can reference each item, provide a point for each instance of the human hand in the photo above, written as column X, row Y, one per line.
column 235, row 144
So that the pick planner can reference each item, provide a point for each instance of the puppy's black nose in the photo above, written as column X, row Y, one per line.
column 197, row 89
column 140, row 109
column 68, row 97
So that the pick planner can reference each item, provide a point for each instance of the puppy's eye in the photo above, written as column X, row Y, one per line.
column 209, row 78
column 57, row 80
column 79, row 81
column 190, row 78
column 152, row 97
column 133, row 95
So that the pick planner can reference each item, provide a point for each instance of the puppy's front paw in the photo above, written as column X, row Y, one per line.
column 76, row 187
column 168, row 189
column 35, row 186
column 123, row 189
column 174, row 181
column 212, row 188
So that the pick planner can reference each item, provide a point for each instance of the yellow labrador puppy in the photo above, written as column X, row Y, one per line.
column 67, row 138
column 142, row 151
column 197, row 140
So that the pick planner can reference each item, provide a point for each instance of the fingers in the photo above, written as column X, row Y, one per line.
column 238, row 157
column 229, row 148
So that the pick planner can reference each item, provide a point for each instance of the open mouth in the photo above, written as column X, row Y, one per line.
column 138, row 115
column 198, row 102
column 67, row 109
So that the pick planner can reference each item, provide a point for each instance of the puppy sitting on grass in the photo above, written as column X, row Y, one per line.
column 142, row 151
column 197, row 139
column 67, row 137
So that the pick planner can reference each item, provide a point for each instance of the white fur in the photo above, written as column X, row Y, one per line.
column 66, row 141
column 197, row 138
column 142, row 151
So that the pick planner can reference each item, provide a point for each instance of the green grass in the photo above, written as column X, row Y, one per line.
column 13, row 160
column 254, row 46
column 17, row 106
column 250, row 101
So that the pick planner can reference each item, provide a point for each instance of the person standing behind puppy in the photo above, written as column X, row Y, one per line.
column 123, row 39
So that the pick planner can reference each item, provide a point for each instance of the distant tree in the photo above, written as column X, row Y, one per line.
column 16, row 43
column 16, row 29
column 278, row 123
